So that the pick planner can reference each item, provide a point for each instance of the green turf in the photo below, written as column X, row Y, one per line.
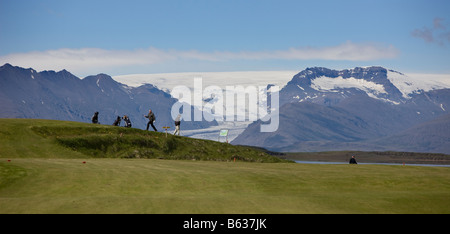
column 39, row 174
column 168, row 186
column 32, row 138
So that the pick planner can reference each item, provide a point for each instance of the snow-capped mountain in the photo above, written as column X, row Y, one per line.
column 326, row 86
column 354, row 109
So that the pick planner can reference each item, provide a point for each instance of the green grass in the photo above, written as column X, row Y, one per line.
column 40, row 173
column 168, row 186
column 32, row 138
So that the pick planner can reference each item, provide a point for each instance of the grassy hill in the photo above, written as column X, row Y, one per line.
column 31, row 138
column 66, row 167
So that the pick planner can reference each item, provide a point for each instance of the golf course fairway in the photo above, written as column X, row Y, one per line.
column 177, row 186
column 52, row 167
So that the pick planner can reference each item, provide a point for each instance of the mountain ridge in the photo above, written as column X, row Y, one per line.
column 373, row 81
column 350, row 110
column 25, row 93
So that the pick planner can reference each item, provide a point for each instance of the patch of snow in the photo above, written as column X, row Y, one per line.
column 387, row 100
column 324, row 83
column 412, row 83
column 98, row 85
column 127, row 88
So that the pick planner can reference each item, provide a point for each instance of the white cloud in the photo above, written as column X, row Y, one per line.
column 88, row 59
column 85, row 58
column 348, row 51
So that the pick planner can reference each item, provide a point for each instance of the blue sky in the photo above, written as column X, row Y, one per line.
column 126, row 37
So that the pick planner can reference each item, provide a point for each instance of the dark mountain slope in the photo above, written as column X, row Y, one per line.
column 25, row 93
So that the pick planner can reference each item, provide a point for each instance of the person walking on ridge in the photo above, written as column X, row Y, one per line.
column 127, row 121
column 151, row 118
column 117, row 121
column 177, row 125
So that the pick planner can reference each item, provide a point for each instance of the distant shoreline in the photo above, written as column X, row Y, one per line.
column 368, row 157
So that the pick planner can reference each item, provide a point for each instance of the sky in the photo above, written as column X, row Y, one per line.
column 137, row 37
